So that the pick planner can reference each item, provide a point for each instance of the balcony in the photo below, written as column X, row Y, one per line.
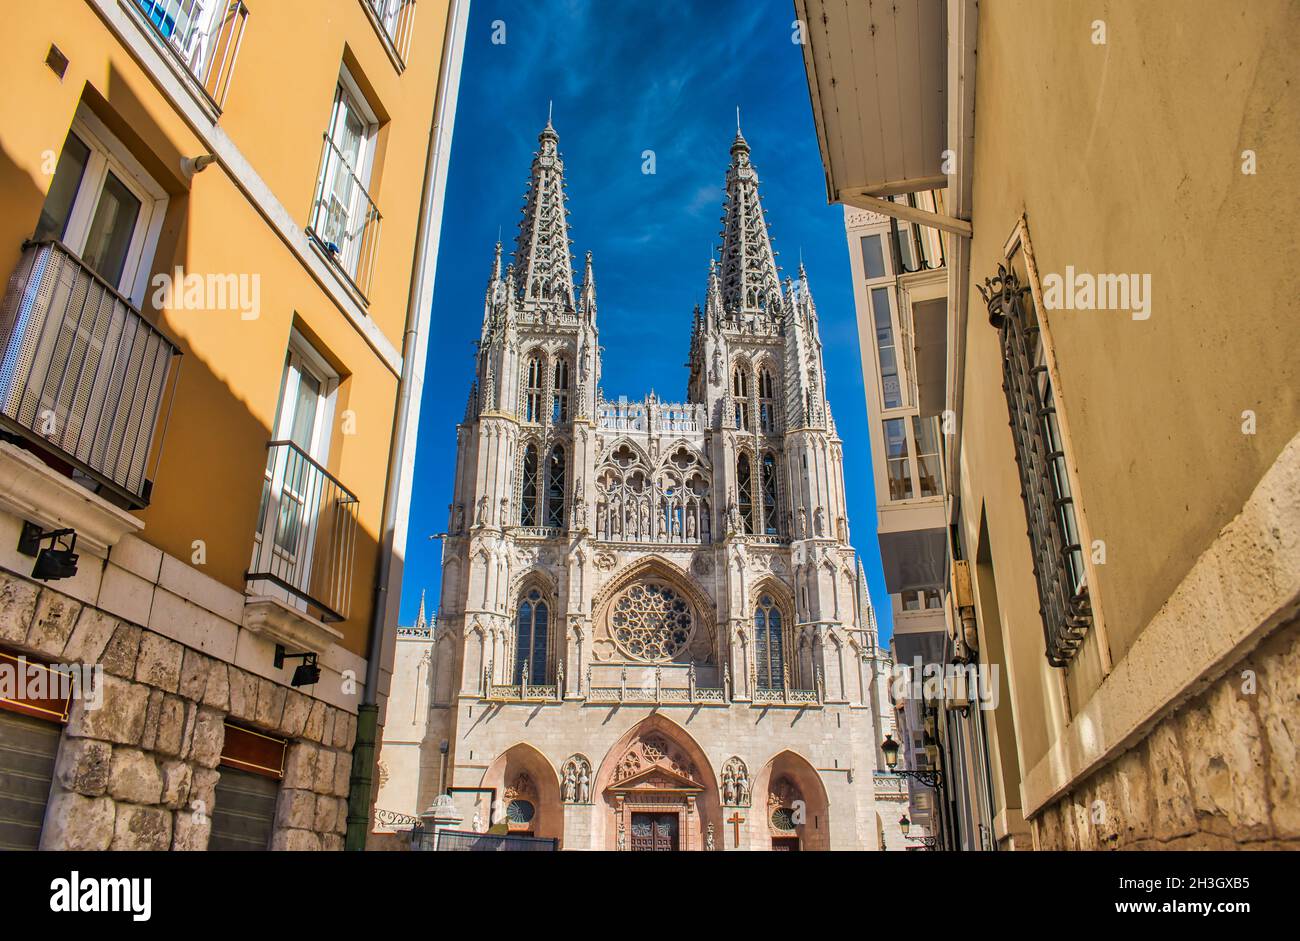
column 83, row 376
column 345, row 222
column 394, row 19
column 306, row 536
column 202, row 36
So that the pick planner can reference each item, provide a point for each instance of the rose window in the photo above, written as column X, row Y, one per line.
column 651, row 621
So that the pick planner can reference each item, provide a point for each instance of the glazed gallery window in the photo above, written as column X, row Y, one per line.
column 534, row 383
column 104, row 207
column 921, row 600
column 873, row 257
column 531, row 635
column 1040, row 456
column 898, row 464
column 769, row 659
column 890, row 385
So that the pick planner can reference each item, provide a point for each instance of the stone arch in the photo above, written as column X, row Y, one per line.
column 505, row 771
column 787, row 774
column 608, row 454
column 539, row 579
column 707, row 801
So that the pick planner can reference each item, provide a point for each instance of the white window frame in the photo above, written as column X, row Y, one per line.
column 108, row 154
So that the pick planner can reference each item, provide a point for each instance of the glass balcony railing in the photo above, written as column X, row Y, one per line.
column 83, row 376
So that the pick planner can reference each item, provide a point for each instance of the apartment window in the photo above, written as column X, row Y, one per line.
column 925, row 599
column 305, row 513
column 1044, row 482
column 881, row 311
column 203, row 35
column 925, row 434
column 898, row 465
column 104, row 207
column 873, row 257
column 345, row 221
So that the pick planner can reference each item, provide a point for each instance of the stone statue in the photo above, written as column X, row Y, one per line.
column 480, row 518
column 742, row 785
column 570, row 785
column 460, row 517
column 584, row 786
column 600, row 520
column 733, row 515
column 645, row 520
column 690, row 525
column 708, row 839
column 819, row 521
column 622, row 836
column 728, row 786
column 803, row 523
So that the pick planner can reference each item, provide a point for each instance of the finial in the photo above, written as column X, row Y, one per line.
column 737, row 120
column 550, row 105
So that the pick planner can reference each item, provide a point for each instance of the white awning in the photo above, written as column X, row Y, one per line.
column 877, row 75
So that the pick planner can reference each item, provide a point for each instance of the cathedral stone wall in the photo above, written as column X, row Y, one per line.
column 652, row 631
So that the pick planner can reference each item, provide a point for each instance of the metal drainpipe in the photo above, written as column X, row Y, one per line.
column 361, row 787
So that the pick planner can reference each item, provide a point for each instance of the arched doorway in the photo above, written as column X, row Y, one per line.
column 791, row 810
column 527, row 793
column 656, row 792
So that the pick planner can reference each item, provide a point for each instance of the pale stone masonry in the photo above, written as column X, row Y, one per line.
column 1219, row 773
column 140, row 771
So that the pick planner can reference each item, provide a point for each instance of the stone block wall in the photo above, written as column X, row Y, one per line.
column 1220, row 772
column 140, row 772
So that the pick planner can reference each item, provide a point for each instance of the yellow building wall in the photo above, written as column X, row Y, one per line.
column 1127, row 158
column 209, row 481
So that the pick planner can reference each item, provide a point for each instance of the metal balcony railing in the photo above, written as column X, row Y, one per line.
column 345, row 222
column 306, row 534
column 82, row 374
column 204, row 35
column 396, row 18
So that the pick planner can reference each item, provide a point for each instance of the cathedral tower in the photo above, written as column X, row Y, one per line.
column 649, row 627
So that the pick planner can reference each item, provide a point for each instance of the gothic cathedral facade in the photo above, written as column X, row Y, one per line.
column 651, row 632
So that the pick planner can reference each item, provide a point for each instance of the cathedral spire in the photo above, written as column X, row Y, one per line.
column 543, row 262
column 750, row 284
column 420, row 621
column 588, row 294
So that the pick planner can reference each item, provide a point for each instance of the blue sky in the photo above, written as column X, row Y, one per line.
column 626, row 77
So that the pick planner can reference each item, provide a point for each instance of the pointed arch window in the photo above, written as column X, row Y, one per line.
column 766, row 401
column 745, row 491
column 528, row 501
column 740, row 394
column 535, row 383
column 769, row 653
column 555, row 488
column 532, row 630
column 560, row 400
column 770, row 527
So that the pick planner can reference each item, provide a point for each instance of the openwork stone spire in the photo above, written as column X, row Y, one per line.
column 543, row 262
column 749, row 278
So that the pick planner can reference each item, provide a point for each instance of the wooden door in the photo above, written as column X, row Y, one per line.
column 654, row 832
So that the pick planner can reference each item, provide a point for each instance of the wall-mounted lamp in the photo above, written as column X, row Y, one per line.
column 54, row 561
column 307, row 673
column 193, row 165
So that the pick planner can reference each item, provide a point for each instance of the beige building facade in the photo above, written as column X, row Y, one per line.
column 1114, row 378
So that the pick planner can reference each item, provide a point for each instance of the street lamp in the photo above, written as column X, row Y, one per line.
column 905, row 825
column 930, row 778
